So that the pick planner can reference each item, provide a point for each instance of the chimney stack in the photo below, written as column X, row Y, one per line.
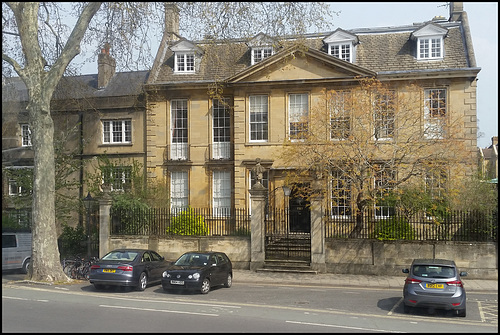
column 106, row 66
column 171, row 18
column 456, row 9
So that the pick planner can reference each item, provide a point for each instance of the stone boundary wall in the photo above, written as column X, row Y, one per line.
column 367, row 257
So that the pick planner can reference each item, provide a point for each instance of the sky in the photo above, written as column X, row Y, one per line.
column 483, row 23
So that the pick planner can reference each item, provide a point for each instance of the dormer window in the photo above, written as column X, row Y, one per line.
column 342, row 44
column 342, row 51
column 261, row 47
column 186, row 57
column 184, row 62
column 259, row 54
column 429, row 42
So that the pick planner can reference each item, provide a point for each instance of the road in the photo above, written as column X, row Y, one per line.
column 242, row 308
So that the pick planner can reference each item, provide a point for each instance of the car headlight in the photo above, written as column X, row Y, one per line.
column 194, row 276
column 166, row 274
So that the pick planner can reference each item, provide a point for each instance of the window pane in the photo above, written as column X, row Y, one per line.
column 258, row 118
column 298, row 114
column 221, row 192
column 179, row 189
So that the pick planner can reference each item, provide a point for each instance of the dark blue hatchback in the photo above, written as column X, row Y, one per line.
column 198, row 271
column 128, row 267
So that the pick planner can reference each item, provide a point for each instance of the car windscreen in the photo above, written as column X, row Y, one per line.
column 192, row 259
column 120, row 256
column 433, row 271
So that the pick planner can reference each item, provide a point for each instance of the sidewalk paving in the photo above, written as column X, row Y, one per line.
column 345, row 280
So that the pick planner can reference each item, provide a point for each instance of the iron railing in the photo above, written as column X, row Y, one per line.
column 188, row 221
column 470, row 226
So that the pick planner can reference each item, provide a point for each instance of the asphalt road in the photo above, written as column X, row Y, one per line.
column 244, row 307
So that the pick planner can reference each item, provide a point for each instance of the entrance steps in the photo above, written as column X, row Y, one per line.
column 289, row 266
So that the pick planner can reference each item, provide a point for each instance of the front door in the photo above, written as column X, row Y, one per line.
column 299, row 213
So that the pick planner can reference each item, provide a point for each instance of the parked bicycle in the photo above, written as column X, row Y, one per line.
column 77, row 267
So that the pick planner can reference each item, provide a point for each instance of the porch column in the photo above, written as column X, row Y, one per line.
column 317, row 235
column 257, row 226
column 104, row 222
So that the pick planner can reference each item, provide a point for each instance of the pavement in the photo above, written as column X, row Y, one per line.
column 320, row 280
column 345, row 280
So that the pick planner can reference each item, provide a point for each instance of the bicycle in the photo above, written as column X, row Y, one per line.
column 77, row 267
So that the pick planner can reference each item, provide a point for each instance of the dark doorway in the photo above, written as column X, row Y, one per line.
column 299, row 211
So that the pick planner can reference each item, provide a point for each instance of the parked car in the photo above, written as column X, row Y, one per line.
column 128, row 267
column 16, row 251
column 434, row 283
column 198, row 271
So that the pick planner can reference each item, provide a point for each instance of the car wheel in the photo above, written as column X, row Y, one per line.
column 462, row 312
column 229, row 281
column 26, row 266
column 143, row 281
column 205, row 286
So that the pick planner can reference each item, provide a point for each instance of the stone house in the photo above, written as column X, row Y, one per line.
column 218, row 108
column 207, row 112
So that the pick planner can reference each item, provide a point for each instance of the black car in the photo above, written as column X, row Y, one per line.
column 128, row 267
column 198, row 271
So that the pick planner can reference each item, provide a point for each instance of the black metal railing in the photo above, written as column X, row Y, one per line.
column 181, row 222
column 470, row 226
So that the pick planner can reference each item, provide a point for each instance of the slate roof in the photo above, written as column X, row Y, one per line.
column 81, row 87
column 382, row 50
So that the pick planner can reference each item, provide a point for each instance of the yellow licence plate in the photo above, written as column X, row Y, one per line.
column 434, row 285
column 109, row 270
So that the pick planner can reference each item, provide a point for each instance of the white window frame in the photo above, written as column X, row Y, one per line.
column 221, row 129
column 179, row 129
column 340, row 116
column 382, row 180
column 14, row 188
column 430, row 47
column 344, row 51
column 384, row 116
column 258, row 118
column 179, row 190
column 221, row 192
column 25, row 135
column 297, row 112
column 341, row 195
column 117, row 182
column 184, row 62
column 435, row 112
column 117, row 131
column 261, row 53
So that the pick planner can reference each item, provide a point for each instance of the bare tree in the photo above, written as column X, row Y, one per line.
column 369, row 138
column 39, row 46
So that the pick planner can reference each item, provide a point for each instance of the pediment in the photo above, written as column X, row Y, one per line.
column 339, row 36
column 430, row 29
column 299, row 65
column 262, row 39
column 185, row 46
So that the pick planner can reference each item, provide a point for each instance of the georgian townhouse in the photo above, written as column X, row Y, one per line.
column 218, row 110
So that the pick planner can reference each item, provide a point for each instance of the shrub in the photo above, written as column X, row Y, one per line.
column 72, row 241
column 188, row 223
column 393, row 229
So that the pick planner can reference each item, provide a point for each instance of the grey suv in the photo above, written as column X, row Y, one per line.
column 434, row 283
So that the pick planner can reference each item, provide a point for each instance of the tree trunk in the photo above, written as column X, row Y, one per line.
column 45, row 262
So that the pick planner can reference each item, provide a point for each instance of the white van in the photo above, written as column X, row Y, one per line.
column 16, row 251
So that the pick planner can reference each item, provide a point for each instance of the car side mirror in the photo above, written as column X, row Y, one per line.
column 405, row 271
column 463, row 274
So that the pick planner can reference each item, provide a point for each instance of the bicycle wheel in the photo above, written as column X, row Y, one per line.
column 68, row 268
